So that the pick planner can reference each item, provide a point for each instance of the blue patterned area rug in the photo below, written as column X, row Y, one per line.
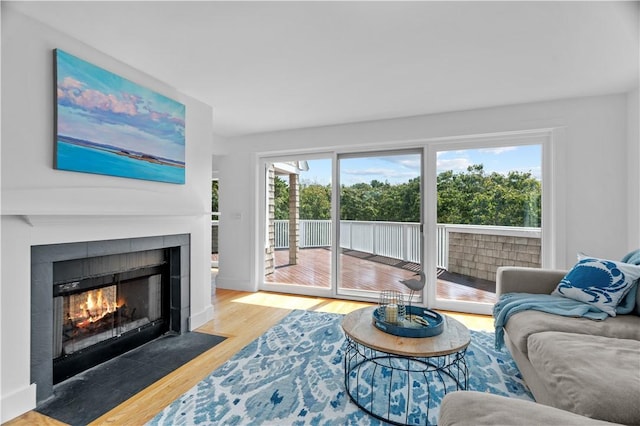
column 293, row 375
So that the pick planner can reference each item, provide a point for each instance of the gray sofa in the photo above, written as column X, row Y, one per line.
column 577, row 365
column 468, row 408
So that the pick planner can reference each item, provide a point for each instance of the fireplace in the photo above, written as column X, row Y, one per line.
column 93, row 301
column 98, row 317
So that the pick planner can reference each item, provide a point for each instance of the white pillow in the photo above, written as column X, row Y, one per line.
column 599, row 282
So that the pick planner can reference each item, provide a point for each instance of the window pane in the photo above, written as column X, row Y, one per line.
column 380, row 223
column 489, row 215
column 299, row 223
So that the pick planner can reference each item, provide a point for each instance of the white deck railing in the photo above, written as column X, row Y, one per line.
column 397, row 240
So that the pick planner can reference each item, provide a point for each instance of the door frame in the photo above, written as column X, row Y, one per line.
column 553, row 202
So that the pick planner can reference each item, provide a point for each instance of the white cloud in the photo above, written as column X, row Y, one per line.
column 411, row 161
column 498, row 150
column 456, row 164
column 393, row 176
column 380, row 173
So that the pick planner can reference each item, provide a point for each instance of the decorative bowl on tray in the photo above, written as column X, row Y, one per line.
column 417, row 322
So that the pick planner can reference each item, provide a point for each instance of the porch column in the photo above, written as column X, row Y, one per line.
column 269, row 261
column 294, row 218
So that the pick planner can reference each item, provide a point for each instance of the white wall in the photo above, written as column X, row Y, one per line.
column 593, row 174
column 633, row 164
column 41, row 205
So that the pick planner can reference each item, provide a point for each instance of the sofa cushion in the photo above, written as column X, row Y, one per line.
column 468, row 408
column 523, row 324
column 594, row 376
column 599, row 282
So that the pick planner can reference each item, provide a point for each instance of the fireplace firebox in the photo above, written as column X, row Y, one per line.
column 97, row 318
column 92, row 301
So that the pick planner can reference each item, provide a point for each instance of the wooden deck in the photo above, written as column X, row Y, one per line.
column 364, row 272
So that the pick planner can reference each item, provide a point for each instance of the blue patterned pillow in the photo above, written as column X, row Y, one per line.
column 598, row 282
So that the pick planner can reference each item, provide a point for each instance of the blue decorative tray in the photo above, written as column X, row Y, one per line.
column 418, row 322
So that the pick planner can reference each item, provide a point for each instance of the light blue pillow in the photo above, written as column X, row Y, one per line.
column 599, row 282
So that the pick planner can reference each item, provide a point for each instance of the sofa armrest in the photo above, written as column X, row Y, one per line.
column 520, row 279
column 469, row 408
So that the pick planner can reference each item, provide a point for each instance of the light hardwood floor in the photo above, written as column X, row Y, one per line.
column 241, row 317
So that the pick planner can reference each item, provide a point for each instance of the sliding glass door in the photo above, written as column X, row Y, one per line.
column 350, row 225
column 375, row 240
column 380, row 226
column 298, row 228
column 488, row 214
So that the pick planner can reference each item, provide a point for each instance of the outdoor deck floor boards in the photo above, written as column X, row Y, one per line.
column 313, row 269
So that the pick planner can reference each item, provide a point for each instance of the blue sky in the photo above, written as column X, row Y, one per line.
column 99, row 106
column 401, row 168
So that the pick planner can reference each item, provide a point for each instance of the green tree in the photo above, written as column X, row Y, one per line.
column 281, row 194
column 477, row 198
column 214, row 196
column 472, row 197
column 360, row 202
column 315, row 202
column 401, row 203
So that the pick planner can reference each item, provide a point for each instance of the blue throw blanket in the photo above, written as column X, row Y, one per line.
column 512, row 303
column 628, row 303
column 632, row 258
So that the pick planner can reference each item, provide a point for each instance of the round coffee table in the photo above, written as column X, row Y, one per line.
column 400, row 379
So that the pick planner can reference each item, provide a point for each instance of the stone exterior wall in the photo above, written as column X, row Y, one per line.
column 214, row 239
column 294, row 222
column 479, row 255
column 269, row 260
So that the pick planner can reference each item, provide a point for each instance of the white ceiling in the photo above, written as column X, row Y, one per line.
column 266, row 66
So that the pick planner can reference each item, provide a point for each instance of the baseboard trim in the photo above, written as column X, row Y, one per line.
column 17, row 403
column 201, row 318
column 235, row 284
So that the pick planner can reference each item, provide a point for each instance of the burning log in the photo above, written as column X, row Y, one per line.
column 92, row 323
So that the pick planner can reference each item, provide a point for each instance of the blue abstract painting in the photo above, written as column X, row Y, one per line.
column 108, row 125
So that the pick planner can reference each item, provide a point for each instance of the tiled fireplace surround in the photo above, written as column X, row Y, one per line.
column 42, row 260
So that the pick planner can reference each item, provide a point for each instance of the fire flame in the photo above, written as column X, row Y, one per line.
column 95, row 306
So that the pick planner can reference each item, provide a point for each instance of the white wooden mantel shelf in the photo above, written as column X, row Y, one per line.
column 124, row 216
